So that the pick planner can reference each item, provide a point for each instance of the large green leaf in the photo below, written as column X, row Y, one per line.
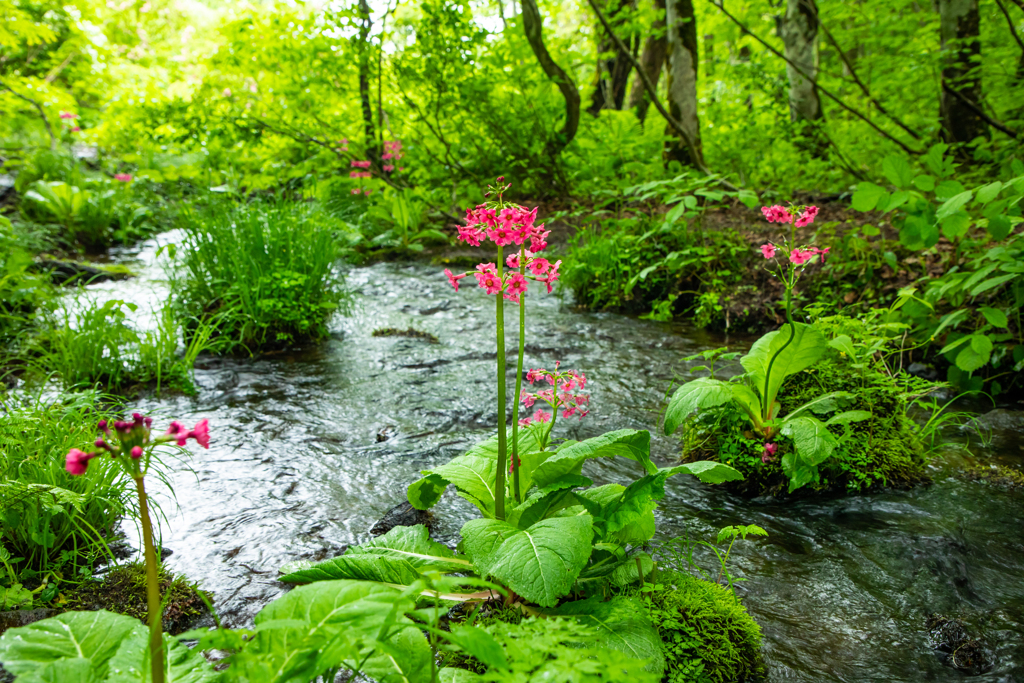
column 130, row 664
column 699, row 394
column 539, row 563
column 358, row 567
column 546, row 500
column 622, row 624
column 95, row 636
column 627, row 443
column 814, row 444
column 413, row 544
column 806, row 348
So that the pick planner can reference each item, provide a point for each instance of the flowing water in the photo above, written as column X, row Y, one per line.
column 297, row 469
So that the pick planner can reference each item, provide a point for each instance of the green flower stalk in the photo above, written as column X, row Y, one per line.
column 131, row 446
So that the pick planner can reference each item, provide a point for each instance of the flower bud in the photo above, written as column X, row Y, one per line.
column 501, row 179
column 137, row 452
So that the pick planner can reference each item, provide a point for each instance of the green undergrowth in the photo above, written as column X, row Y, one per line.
column 54, row 526
column 707, row 634
column 122, row 590
column 887, row 449
column 264, row 273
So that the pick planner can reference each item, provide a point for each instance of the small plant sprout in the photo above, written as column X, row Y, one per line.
column 132, row 446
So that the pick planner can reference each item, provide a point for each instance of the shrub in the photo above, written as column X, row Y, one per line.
column 53, row 522
column 708, row 636
column 264, row 271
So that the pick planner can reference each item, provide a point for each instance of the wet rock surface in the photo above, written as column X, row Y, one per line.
column 403, row 514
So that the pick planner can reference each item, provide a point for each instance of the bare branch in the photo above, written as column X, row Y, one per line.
column 39, row 108
column 977, row 110
column 1009, row 22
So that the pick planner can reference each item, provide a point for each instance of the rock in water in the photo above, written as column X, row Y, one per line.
column 403, row 514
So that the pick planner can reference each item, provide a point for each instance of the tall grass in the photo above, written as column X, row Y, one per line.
column 86, row 343
column 264, row 271
column 52, row 523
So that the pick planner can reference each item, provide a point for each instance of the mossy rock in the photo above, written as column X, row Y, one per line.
column 884, row 451
column 123, row 591
column 708, row 635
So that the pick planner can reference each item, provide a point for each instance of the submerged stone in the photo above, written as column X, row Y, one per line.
column 403, row 514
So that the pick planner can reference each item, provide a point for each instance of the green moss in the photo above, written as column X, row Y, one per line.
column 995, row 474
column 123, row 590
column 410, row 332
column 708, row 635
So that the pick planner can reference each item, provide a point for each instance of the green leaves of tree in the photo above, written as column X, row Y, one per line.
column 540, row 563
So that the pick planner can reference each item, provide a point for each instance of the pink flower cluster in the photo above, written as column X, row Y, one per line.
column 344, row 145
column 561, row 396
column 68, row 115
column 768, row 454
column 392, row 152
column 797, row 256
column 360, row 164
column 360, row 174
column 366, row 191
column 131, row 438
column 123, row 177
column 780, row 214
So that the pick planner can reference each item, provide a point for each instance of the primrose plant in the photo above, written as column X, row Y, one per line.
column 772, row 358
column 555, row 544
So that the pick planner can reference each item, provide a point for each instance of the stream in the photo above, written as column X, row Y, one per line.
column 310, row 448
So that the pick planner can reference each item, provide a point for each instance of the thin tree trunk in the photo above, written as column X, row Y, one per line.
column 533, row 26
column 612, row 74
column 364, row 80
column 682, row 82
column 961, row 45
column 651, row 60
column 800, row 35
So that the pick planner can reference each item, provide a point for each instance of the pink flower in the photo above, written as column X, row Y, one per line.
column 360, row 164
column 537, row 239
column 201, row 433
column 768, row 250
column 539, row 266
column 525, row 422
column 68, row 115
column 516, row 284
column 454, row 279
column 798, row 257
column 123, row 177
column 500, row 235
column 226, row 92
column 356, row 190
column 386, row 156
column 777, row 214
column 768, row 454
column 77, row 461
column 490, row 281
column 541, row 416
column 513, row 260
column 175, row 428
column 807, row 217
column 470, row 235
column 569, row 412
column 367, row 191
column 533, row 375
column 75, row 129
column 821, row 252
column 136, row 452
column 388, row 168
column 527, row 398
column 551, row 276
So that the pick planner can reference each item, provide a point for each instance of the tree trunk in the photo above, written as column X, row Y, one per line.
column 800, row 35
column 533, row 27
column 651, row 59
column 682, row 80
column 961, row 45
column 364, row 80
column 612, row 74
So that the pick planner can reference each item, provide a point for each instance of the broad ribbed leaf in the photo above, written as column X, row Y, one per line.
column 849, row 416
column 814, row 443
column 73, row 635
column 413, row 544
column 622, row 625
column 627, row 443
column 542, row 501
column 806, row 348
column 76, row 670
column 130, row 664
column 539, row 563
column 699, row 394
column 357, row 567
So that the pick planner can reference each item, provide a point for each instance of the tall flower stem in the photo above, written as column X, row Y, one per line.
column 499, row 477
column 156, row 637
column 790, row 283
column 519, row 382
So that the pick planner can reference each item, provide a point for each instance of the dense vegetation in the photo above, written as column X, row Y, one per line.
column 259, row 151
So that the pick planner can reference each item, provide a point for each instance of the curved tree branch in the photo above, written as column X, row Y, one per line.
column 39, row 108
column 533, row 26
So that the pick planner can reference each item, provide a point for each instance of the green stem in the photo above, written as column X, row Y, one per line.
column 519, row 383
column 767, row 408
column 156, row 636
column 499, row 478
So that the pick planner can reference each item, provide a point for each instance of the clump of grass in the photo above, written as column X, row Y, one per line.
column 86, row 343
column 707, row 634
column 410, row 332
column 265, row 272
column 123, row 591
column 53, row 523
